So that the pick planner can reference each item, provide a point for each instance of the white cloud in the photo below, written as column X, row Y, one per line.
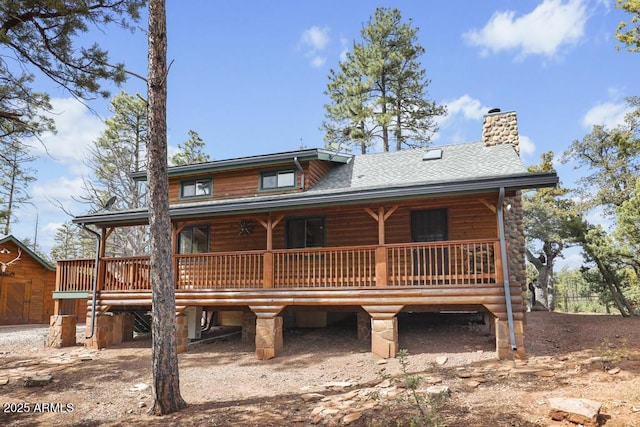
column 608, row 114
column 313, row 42
column 76, row 127
column 467, row 107
column 62, row 190
column 527, row 146
column 552, row 25
column 315, row 38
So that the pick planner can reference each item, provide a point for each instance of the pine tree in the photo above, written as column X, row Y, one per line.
column 119, row 151
column 380, row 92
column 191, row 151
column 164, row 356
column 15, row 178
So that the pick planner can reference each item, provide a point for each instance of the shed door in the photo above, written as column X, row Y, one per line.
column 14, row 302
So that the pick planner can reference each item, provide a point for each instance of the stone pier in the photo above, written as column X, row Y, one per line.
column 384, row 337
column 182, row 332
column 62, row 331
column 268, row 337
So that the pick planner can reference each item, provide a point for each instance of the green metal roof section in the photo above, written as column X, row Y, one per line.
column 401, row 175
column 264, row 160
column 31, row 253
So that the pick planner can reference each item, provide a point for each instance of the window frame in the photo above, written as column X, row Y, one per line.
column 434, row 217
column 192, row 227
column 323, row 236
column 276, row 173
column 194, row 182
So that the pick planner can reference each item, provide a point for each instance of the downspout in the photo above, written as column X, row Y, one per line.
column 505, row 269
column 299, row 166
column 95, row 278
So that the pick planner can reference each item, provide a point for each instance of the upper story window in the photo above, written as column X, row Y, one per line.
column 201, row 187
column 280, row 179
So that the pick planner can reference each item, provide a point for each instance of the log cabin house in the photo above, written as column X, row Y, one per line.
column 26, row 284
column 314, row 231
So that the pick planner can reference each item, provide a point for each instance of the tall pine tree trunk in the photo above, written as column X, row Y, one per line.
column 166, row 383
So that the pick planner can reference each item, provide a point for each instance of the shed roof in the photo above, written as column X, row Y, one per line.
column 26, row 249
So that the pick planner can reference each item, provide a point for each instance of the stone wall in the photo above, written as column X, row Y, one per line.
column 501, row 128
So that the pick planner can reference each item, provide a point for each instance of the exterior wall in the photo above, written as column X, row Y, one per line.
column 245, row 182
column 26, row 289
column 468, row 218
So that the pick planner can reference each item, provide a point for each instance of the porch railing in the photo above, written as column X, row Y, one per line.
column 452, row 263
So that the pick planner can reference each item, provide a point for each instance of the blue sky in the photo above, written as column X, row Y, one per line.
column 250, row 77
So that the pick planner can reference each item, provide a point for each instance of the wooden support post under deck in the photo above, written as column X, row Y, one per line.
column 382, row 273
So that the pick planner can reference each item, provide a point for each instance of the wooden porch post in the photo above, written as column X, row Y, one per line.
column 382, row 272
column 267, row 260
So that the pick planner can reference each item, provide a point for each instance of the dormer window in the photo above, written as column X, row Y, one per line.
column 196, row 188
column 279, row 179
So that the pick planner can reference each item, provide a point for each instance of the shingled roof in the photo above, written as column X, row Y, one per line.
column 460, row 162
column 470, row 167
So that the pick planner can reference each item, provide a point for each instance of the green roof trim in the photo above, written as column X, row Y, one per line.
column 252, row 161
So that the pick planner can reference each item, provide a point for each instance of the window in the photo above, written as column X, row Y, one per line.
column 196, row 188
column 274, row 180
column 305, row 232
column 194, row 240
column 429, row 225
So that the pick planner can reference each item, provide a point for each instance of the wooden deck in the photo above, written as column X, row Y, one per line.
column 444, row 274
column 452, row 263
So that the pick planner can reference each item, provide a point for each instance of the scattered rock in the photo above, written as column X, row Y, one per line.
column 381, row 362
column 337, row 384
column 349, row 418
column 37, row 380
column 464, row 374
column 142, row 405
column 312, row 396
column 384, row 384
column 438, row 389
column 578, row 411
column 545, row 373
column 441, row 360
column 432, row 380
column 139, row 387
column 4, row 380
column 471, row 383
column 613, row 371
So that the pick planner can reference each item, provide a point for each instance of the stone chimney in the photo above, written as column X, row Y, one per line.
column 500, row 128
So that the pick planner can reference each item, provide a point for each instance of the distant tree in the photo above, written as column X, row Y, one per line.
column 40, row 36
column 71, row 243
column 164, row 356
column 629, row 34
column 380, row 91
column 628, row 226
column 15, row 178
column 612, row 156
column 191, row 151
column 548, row 219
column 610, row 274
column 119, row 151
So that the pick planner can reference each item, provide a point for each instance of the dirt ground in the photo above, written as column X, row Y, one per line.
column 327, row 377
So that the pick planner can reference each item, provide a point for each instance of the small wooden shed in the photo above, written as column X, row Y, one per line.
column 27, row 283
